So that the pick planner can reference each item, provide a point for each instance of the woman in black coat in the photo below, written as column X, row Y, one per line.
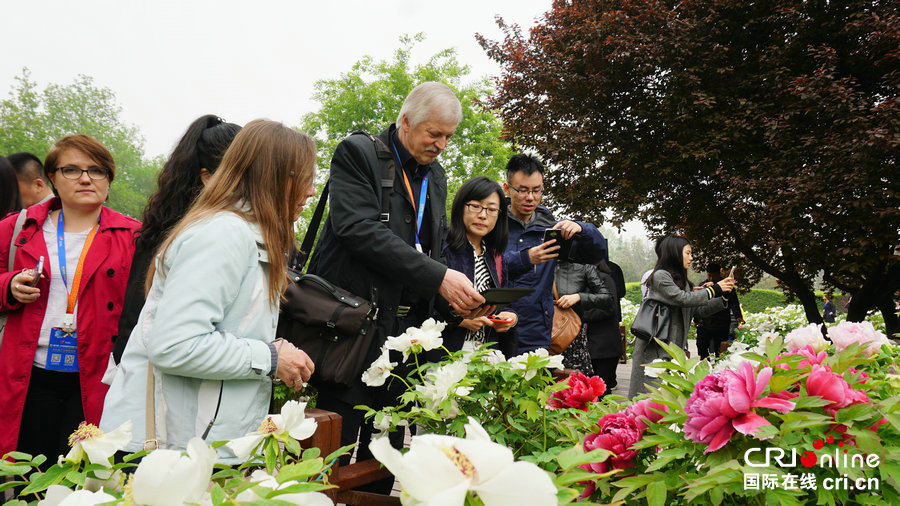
column 604, row 338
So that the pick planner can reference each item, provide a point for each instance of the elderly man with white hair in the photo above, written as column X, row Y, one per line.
column 383, row 236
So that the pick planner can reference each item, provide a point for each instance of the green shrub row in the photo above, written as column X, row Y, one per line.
column 754, row 301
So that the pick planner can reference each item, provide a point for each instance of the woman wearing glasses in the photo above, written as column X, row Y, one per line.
column 62, row 320
column 474, row 246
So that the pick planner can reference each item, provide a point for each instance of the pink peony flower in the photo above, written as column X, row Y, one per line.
column 723, row 402
column 846, row 333
column 582, row 390
column 618, row 432
column 810, row 335
column 812, row 357
column 833, row 387
column 646, row 411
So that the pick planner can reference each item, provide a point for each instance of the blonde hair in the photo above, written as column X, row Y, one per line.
column 268, row 168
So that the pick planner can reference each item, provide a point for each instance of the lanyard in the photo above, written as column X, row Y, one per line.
column 420, row 208
column 61, row 247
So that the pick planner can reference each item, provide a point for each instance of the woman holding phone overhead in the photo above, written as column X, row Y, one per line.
column 669, row 285
column 60, row 332
column 474, row 246
column 207, row 330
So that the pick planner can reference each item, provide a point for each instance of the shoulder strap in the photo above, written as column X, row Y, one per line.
column 498, row 261
column 387, row 188
column 20, row 222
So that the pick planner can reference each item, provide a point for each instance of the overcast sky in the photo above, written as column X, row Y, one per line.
column 169, row 62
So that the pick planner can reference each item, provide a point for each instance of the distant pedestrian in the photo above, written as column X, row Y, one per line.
column 829, row 310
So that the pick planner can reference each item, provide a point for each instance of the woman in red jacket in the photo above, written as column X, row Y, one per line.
column 60, row 332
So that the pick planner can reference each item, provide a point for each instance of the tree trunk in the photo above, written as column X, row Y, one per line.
column 877, row 291
column 886, row 306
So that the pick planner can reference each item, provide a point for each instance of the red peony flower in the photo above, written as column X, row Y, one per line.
column 646, row 410
column 618, row 432
column 582, row 390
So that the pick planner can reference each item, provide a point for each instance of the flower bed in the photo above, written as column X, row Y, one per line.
column 784, row 419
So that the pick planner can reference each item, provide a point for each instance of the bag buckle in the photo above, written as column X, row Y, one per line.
column 151, row 444
column 385, row 217
column 402, row 311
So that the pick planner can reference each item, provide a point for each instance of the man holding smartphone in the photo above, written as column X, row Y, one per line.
column 713, row 330
column 531, row 259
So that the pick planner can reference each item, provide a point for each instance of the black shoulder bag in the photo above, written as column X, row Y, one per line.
column 652, row 321
column 330, row 324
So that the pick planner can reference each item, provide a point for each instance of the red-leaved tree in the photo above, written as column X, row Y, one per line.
column 765, row 131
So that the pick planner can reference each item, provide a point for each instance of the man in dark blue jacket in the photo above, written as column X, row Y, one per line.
column 531, row 260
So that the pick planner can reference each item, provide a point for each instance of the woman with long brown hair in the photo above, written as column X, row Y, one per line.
column 208, row 326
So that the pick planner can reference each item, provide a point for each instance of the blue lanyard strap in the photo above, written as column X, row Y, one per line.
column 61, row 248
column 423, row 192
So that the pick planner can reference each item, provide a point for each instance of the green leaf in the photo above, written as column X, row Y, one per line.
column 566, row 495
column 809, row 401
column 11, row 484
column 576, row 456
column 53, row 476
column 18, row 456
column 217, row 495
column 301, row 470
column 293, row 446
column 299, row 488
column 852, row 413
column 337, row 453
column 574, row 476
column 656, row 493
column 76, row 478
column 271, row 452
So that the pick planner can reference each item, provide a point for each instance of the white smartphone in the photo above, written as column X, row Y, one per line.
column 37, row 272
column 731, row 274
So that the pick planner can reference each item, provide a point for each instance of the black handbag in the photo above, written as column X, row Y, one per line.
column 652, row 321
column 330, row 324
column 333, row 326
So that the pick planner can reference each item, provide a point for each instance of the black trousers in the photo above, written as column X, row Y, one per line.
column 52, row 412
column 606, row 369
column 709, row 340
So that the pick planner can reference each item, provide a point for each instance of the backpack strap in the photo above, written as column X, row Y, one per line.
column 298, row 261
column 13, row 246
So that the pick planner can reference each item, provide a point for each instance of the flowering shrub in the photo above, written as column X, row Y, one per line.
column 700, row 434
column 281, row 469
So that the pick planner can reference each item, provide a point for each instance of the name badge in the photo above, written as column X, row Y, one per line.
column 62, row 354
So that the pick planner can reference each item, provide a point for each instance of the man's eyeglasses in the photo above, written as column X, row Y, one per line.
column 95, row 173
column 477, row 208
column 526, row 191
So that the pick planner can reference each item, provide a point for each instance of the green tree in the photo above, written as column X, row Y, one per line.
column 766, row 131
column 33, row 120
column 369, row 96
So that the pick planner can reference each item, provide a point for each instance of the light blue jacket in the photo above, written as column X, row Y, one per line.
column 205, row 328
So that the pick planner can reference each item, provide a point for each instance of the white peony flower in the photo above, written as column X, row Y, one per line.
column 442, row 470
column 292, row 421
column 380, row 370
column 167, row 477
column 441, row 382
column 58, row 495
column 265, row 480
column 90, row 441
column 521, row 361
column 494, row 357
column 810, row 335
column 416, row 339
column 652, row 371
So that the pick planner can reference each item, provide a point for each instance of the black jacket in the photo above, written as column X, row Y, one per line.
column 358, row 252
column 604, row 338
column 583, row 279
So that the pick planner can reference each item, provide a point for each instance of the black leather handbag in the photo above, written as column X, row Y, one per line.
column 333, row 326
column 652, row 321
